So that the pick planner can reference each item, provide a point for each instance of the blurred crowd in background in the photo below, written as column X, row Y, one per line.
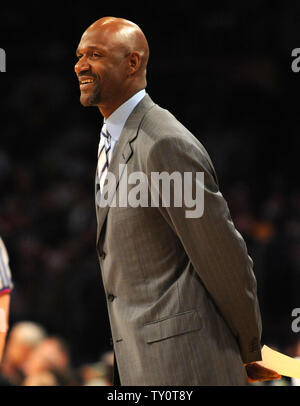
column 35, row 358
column 225, row 73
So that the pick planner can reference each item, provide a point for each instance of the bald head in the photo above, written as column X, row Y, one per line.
column 113, row 55
column 124, row 34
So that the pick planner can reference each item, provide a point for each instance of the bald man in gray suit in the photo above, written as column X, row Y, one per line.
column 180, row 289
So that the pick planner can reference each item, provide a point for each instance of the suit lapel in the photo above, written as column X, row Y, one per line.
column 121, row 155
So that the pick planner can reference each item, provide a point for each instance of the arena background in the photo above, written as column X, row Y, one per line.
column 224, row 72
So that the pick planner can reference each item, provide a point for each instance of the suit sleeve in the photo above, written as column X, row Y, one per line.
column 211, row 241
column 6, row 284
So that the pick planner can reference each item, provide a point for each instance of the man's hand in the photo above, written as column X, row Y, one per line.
column 258, row 373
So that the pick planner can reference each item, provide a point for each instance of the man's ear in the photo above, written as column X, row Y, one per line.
column 134, row 62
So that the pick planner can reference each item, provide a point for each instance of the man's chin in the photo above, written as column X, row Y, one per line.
column 88, row 100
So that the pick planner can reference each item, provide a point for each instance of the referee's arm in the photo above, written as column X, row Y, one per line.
column 6, row 286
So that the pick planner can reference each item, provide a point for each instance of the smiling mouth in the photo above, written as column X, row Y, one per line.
column 85, row 82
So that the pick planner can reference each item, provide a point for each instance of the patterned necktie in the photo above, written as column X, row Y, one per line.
column 104, row 156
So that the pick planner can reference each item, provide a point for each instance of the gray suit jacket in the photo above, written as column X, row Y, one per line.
column 181, row 293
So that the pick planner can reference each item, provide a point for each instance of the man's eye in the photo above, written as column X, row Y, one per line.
column 96, row 55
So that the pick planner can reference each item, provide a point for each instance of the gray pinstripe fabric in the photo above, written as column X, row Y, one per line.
column 181, row 292
column 5, row 274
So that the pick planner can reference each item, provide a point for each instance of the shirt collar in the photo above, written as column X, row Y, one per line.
column 116, row 121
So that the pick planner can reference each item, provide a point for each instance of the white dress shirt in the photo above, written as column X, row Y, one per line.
column 116, row 121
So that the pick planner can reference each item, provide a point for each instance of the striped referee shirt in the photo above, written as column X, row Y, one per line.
column 6, row 284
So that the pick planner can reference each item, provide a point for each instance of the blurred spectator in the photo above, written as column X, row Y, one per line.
column 96, row 374
column 52, row 377
column 50, row 353
column 99, row 373
column 44, row 378
column 50, row 362
column 23, row 338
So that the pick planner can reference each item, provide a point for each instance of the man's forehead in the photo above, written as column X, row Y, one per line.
column 92, row 36
column 94, row 39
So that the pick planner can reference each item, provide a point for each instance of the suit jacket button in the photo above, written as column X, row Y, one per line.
column 102, row 255
column 111, row 297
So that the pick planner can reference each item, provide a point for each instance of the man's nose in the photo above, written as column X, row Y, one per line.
column 82, row 65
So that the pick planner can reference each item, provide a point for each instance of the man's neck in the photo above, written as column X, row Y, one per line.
column 107, row 109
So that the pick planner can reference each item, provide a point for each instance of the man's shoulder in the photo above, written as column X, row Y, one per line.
column 160, row 126
column 159, row 122
column 156, row 121
column 160, row 129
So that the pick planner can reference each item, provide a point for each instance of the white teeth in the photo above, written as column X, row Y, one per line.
column 87, row 81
